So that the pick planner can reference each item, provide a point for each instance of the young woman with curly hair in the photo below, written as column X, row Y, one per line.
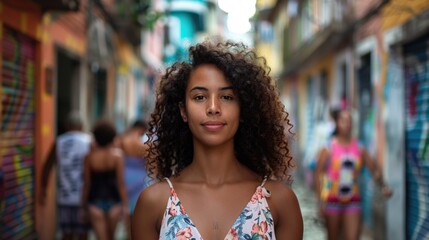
column 218, row 146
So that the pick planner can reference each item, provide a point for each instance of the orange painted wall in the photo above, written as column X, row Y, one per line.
column 66, row 30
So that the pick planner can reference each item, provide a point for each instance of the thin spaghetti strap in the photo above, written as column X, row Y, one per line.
column 266, row 192
column 169, row 182
column 263, row 182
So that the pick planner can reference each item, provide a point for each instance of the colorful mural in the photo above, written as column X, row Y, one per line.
column 17, row 135
column 417, row 137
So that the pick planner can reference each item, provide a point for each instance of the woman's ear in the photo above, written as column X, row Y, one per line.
column 183, row 112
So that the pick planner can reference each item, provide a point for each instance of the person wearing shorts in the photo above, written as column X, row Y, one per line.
column 72, row 219
column 337, row 173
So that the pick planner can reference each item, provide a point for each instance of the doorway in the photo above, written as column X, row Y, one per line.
column 67, row 89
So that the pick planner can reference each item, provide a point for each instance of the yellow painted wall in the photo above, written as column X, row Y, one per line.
column 397, row 12
column 326, row 64
column 265, row 3
column 273, row 50
column 265, row 50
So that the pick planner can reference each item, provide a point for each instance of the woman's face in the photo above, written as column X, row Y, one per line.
column 211, row 107
column 344, row 123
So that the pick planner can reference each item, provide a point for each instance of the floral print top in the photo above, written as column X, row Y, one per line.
column 255, row 222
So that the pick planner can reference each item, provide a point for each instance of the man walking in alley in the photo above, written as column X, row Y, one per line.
column 68, row 153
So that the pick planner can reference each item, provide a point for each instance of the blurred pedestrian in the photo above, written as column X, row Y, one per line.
column 136, row 178
column 221, row 144
column 68, row 153
column 104, row 191
column 337, row 173
column 134, row 150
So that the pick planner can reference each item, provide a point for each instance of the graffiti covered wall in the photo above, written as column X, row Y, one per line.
column 17, row 134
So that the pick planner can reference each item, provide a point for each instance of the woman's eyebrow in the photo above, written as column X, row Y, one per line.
column 198, row 88
column 226, row 88
column 206, row 89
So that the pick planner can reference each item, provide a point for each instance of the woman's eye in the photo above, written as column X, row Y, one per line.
column 199, row 98
column 227, row 97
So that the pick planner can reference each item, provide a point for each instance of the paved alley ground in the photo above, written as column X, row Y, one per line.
column 313, row 225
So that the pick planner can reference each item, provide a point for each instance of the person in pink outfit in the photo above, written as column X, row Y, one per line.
column 337, row 173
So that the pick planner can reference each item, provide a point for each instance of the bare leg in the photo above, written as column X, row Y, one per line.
column 352, row 225
column 114, row 216
column 333, row 226
column 98, row 222
column 128, row 226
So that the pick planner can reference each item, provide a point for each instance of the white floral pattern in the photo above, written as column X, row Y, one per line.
column 255, row 222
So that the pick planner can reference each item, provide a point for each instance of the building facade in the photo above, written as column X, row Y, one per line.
column 57, row 57
column 369, row 56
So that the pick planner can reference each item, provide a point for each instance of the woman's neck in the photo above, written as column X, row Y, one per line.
column 344, row 139
column 214, row 165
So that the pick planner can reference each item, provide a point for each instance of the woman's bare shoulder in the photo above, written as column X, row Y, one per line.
column 150, row 207
column 280, row 191
column 283, row 199
column 286, row 211
column 155, row 194
column 151, row 204
column 117, row 152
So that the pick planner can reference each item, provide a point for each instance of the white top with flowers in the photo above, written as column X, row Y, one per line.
column 254, row 222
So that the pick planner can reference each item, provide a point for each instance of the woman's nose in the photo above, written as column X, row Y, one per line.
column 213, row 107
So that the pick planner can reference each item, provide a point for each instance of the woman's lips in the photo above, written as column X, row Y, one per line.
column 213, row 126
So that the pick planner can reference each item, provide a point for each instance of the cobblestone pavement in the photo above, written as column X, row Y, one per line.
column 313, row 225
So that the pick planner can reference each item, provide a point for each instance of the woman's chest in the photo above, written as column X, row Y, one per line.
column 223, row 215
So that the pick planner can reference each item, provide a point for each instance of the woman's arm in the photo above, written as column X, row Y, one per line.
column 320, row 168
column 86, row 181
column 372, row 167
column 50, row 162
column 120, row 173
column 289, row 223
column 375, row 172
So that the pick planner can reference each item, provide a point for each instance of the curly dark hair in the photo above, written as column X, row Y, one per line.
column 261, row 141
column 104, row 132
